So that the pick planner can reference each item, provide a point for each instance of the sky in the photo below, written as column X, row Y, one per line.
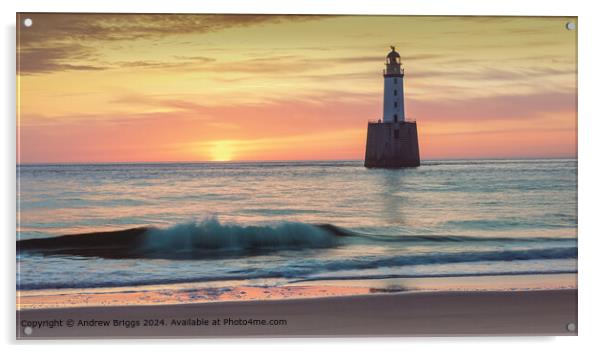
column 153, row 88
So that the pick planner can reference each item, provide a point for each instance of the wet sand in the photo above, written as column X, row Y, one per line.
column 540, row 312
column 178, row 294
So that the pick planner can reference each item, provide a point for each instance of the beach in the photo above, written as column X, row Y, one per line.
column 544, row 312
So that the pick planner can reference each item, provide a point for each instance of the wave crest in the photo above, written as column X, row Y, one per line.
column 213, row 235
column 193, row 240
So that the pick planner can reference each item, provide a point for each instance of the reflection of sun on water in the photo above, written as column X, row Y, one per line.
column 221, row 151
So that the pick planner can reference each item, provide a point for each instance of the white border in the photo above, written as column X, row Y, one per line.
column 590, row 245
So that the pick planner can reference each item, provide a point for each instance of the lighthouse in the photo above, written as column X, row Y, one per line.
column 392, row 141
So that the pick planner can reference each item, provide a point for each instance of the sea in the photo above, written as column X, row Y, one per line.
column 281, row 223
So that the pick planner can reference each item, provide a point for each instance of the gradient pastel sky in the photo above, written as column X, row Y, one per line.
column 119, row 88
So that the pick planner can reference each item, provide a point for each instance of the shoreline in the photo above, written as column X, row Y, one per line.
column 240, row 290
column 473, row 313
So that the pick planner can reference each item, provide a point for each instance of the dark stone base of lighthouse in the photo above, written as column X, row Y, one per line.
column 392, row 145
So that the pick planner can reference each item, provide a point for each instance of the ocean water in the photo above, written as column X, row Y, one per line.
column 289, row 222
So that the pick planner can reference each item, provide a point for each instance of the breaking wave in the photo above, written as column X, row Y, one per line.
column 211, row 239
column 192, row 240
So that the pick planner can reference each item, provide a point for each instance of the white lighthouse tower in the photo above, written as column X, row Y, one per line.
column 393, row 108
column 393, row 141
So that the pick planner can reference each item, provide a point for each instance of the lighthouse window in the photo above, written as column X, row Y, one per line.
column 395, row 117
column 395, row 104
column 395, row 92
column 395, row 80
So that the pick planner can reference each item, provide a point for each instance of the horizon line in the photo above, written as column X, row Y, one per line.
column 285, row 160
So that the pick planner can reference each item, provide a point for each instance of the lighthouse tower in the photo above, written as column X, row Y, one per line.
column 393, row 110
column 392, row 141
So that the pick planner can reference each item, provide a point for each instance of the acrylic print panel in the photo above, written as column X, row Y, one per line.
column 263, row 175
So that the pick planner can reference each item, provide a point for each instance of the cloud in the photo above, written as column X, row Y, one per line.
column 118, row 27
column 181, row 63
column 323, row 105
column 58, row 58
column 56, row 41
column 509, row 107
column 495, row 73
column 292, row 65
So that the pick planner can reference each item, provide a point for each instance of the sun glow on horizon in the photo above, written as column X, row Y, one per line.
column 222, row 151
